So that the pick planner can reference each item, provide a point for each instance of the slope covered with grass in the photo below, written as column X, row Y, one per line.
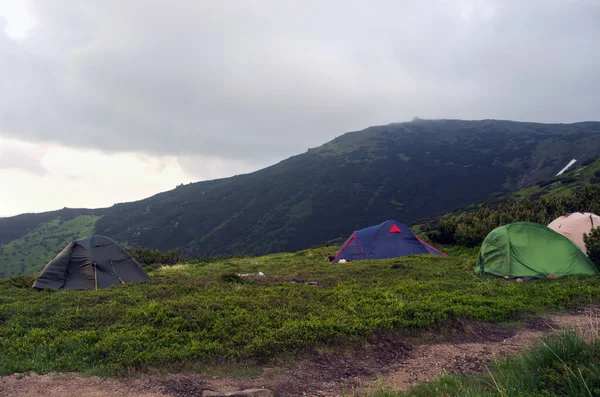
column 578, row 190
column 204, row 312
column 404, row 171
column 574, row 180
column 28, row 254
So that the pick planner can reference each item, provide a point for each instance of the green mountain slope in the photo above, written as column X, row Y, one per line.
column 407, row 171
column 578, row 190
column 28, row 253
column 574, row 179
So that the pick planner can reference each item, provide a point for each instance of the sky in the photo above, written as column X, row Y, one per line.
column 107, row 101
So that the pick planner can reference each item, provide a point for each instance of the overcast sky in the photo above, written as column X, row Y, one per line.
column 105, row 101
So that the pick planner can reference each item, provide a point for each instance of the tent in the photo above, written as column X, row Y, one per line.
column 390, row 239
column 574, row 225
column 525, row 249
column 90, row 263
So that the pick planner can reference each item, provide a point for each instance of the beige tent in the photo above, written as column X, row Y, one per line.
column 574, row 225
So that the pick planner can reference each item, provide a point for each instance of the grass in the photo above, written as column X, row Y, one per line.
column 30, row 253
column 562, row 364
column 195, row 314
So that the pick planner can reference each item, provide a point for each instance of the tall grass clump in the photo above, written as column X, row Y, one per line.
column 561, row 364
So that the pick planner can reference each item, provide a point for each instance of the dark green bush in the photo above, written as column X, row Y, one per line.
column 469, row 229
column 218, row 258
column 21, row 281
column 148, row 257
column 231, row 278
column 592, row 243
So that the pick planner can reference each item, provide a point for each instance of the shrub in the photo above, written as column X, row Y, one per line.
column 231, row 278
column 148, row 257
column 470, row 228
column 592, row 244
column 21, row 281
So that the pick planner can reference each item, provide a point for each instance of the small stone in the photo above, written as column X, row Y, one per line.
column 519, row 280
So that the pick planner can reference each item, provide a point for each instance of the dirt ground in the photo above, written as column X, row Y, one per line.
column 393, row 364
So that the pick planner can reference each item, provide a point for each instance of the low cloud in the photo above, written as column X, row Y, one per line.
column 260, row 81
column 22, row 156
column 146, row 94
column 20, row 161
column 56, row 176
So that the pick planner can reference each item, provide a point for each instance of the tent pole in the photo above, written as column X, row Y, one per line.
column 115, row 272
column 95, row 276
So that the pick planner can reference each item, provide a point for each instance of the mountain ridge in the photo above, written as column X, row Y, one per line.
column 406, row 171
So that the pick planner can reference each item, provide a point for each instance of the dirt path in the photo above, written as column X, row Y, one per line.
column 431, row 360
column 393, row 364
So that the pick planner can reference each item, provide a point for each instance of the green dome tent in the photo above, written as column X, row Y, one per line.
column 525, row 249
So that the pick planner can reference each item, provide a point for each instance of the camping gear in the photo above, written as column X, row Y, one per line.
column 574, row 226
column 91, row 263
column 390, row 239
column 526, row 249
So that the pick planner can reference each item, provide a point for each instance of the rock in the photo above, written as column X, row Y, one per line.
column 519, row 280
column 313, row 283
column 552, row 276
column 239, row 393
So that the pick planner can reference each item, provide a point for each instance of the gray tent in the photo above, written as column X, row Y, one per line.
column 91, row 263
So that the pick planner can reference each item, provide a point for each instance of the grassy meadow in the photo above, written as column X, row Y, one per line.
column 200, row 313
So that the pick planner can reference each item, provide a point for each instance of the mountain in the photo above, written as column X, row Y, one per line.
column 407, row 171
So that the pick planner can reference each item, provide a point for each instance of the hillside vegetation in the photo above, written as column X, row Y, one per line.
column 578, row 176
column 405, row 171
column 195, row 313
column 471, row 227
column 30, row 253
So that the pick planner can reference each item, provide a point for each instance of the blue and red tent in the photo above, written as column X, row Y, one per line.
column 390, row 239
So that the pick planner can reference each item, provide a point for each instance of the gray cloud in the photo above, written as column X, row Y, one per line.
column 22, row 162
column 258, row 81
